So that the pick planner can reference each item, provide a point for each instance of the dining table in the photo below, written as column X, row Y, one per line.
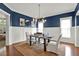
column 46, row 39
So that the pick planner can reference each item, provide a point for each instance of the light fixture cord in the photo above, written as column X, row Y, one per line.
column 39, row 10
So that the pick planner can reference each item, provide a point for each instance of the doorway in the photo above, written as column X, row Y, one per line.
column 4, row 28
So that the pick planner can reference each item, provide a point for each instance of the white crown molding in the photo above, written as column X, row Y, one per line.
column 9, row 7
column 14, row 9
column 77, row 13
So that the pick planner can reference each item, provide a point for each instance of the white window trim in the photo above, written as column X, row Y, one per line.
column 64, row 18
column 42, row 28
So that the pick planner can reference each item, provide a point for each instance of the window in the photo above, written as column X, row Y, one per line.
column 65, row 25
column 33, row 25
column 35, row 29
column 40, row 27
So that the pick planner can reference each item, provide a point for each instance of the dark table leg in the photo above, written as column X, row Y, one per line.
column 35, row 40
column 48, row 40
column 44, row 44
column 30, row 41
column 39, row 40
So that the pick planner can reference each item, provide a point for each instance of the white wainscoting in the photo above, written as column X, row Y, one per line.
column 52, row 31
column 55, row 31
column 77, row 37
column 18, row 34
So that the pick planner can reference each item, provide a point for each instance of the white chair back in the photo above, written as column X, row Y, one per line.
column 27, row 36
column 58, row 41
column 54, row 46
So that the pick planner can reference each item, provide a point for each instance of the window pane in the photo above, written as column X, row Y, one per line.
column 40, row 27
column 33, row 25
column 65, row 24
column 33, row 30
column 65, row 33
column 65, row 28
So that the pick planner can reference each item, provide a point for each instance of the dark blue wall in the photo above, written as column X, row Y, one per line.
column 5, row 8
column 77, row 17
column 77, row 20
column 54, row 21
column 77, row 8
column 15, row 17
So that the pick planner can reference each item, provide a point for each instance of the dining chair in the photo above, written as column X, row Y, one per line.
column 33, row 40
column 53, row 46
column 27, row 37
column 40, row 41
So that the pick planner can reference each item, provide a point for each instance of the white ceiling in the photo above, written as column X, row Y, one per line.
column 46, row 9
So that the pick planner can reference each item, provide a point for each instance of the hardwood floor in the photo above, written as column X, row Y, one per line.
column 9, row 51
column 2, row 41
column 27, row 50
column 69, row 50
column 23, row 49
column 66, row 50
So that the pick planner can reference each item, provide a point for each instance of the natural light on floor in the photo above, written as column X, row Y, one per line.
column 67, row 51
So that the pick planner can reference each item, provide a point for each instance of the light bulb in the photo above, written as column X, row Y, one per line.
column 27, row 20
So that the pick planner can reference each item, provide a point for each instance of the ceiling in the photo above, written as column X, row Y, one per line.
column 46, row 9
